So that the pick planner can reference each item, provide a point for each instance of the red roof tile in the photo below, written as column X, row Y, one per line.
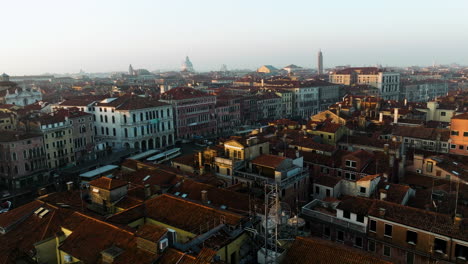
column 267, row 160
column 313, row 250
column 107, row 183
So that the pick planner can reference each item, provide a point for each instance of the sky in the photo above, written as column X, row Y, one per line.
column 60, row 36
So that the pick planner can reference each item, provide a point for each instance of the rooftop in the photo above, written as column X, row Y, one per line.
column 314, row 250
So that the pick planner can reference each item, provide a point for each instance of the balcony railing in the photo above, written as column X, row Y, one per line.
column 282, row 183
column 235, row 164
column 308, row 210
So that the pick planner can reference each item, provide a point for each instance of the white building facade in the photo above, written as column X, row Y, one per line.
column 134, row 122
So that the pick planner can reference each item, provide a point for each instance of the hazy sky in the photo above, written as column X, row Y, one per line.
column 98, row 35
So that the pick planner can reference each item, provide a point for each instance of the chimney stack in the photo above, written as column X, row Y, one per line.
column 380, row 117
column 204, row 196
column 69, row 186
column 395, row 116
column 382, row 211
column 147, row 191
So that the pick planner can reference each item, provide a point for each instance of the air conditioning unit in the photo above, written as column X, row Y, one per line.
column 419, row 171
column 163, row 244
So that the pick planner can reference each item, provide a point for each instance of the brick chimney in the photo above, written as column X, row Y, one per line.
column 204, row 196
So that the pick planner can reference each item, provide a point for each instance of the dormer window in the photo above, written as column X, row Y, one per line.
column 350, row 163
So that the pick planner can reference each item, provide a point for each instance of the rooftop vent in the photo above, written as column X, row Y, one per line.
column 43, row 213
column 110, row 254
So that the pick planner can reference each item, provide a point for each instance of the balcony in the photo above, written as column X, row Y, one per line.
column 233, row 163
column 316, row 211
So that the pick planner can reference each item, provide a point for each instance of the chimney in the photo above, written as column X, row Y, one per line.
column 457, row 221
column 382, row 211
column 406, row 101
column 110, row 254
column 42, row 191
column 69, row 186
column 147, row 191
column 204, row 196
column 380, row 117
column 395, row 116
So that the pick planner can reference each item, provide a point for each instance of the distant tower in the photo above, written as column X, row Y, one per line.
column 224, row 68
column 130, row 70
column 187, row 65
column 320, row 62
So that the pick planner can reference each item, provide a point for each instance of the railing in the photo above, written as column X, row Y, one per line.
column 235, row 164
column 316, row 215
column 283, row 183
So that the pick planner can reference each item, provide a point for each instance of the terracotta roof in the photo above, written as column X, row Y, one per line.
column 107, row 183
column 267, row 160
column 130, row 102
column 83, row 245
column 314, row 250
column 432, row 222
column 367, row 141
column 188, row 159
column 151, row 232
column 24, row 229
column 355, row 204
column 461, row 116
column 328, row 181
column 421, row 132
column 306, row 142
column 129, row 215
column 181, row 93
column 187, row 215
column 171, row 256
column 395, row 192
column 369, row 177
column 217, row 196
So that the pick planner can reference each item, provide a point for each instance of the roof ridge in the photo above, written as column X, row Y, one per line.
column 103, row 222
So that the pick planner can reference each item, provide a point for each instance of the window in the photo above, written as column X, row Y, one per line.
column 411, row 237
column 360, row 218
column 460, row 147
column 409, row 258
column 317, row 190
column 326, row 231
column 350, row 176
column 362, row 190
column 440, row 245
column 387, row 251
column 388, row 230
column 340, row 235
column 346, row 214
column 328, row 193
column 358, row 242
column 454, row 133
column 371, row 246
column 452, row 146
column 429, row 166
column 461, row 252
column 373, row 226
column 465, row 134
column 443, row 114
column 351, row 163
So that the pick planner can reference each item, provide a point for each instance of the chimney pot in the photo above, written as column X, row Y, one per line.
column 204, row 196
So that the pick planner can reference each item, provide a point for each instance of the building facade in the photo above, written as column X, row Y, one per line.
column 194, row 112
column 22, row 159
column 134, row 122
